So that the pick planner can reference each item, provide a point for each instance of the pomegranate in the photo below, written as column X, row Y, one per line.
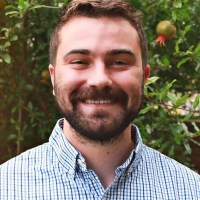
column 165, row 30
column 45, row 76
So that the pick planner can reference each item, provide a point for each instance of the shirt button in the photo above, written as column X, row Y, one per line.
column 130, row 170
column 71, row 171
column 80, row 162
column 103, row 198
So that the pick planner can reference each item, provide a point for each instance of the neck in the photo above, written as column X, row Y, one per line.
column 103, row 159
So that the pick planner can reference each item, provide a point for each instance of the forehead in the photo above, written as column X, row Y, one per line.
column 107, row 32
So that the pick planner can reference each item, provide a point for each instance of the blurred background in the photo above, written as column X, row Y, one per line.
column 170, row 118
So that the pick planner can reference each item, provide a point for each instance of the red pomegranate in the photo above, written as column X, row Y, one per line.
column 165, row 30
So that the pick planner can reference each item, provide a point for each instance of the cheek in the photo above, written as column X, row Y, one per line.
column 68, row 80
column 133, row 86
column 131, row 81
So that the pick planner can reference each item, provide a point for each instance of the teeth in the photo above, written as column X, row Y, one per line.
column 98, row 101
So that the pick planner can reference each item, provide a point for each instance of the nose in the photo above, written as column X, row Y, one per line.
column 99, row 76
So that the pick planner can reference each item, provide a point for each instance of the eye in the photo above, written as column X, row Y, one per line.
column 119, row 62
column 79, row 62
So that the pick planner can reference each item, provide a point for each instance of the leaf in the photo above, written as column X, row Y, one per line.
column 30, row 105
column 6, row 44
column 187, row 147
column 174, row 16
column 187, row 117
column 196, row 102
column 37, row 6
column 187, row 28
column 177, row 4
column 12, row 137
column 196, row 128
column 12, row 13
column 180, row 101
column 166, row 89
column 21, row 3
column 7, row 58
column 14, row 38
column 164, row 146
column 165, row 61
column 184, row 60
column 10, row 7
column 151, row 80
column 197, row 49
column 29, row 88
column 145, row 110
column 172, row 97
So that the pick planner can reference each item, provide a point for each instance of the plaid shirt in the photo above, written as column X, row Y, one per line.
column 56, row 171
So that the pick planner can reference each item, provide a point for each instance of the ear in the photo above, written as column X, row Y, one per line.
column 146, row 73
column 52, row 75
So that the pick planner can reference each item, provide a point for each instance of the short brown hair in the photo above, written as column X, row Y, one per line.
column 99, row 8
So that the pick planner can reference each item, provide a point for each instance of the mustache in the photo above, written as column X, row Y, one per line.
column 92, row 93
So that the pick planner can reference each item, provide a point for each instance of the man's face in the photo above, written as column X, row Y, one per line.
column 98, row 77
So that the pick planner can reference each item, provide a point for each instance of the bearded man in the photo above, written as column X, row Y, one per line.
column 98, row 56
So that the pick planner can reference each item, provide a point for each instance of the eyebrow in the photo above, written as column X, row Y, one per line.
column 120, row 51
column 78, row 51
column 112, row 52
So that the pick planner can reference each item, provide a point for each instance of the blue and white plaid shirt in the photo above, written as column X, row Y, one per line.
column 56, row 171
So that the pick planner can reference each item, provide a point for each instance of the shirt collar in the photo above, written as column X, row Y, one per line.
column 66, row 153
column 135, row 155
column 70, row 158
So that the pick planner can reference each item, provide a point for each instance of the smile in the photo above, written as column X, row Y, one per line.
column 98, row 101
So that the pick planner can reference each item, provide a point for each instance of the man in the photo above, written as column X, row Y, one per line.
column 98, row 69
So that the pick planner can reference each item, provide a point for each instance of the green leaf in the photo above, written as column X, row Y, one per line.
column 184, row 60
column 187, row 28
column 197, row 49
column 172, row 97
column 166, row 89
column 196, row 102
column 177, row 4
column 187, row 117
column 182, row 100
column 165, row 61
column 10, row 7
column 29, row 88
column 164, row 146
column 196, row 128
column 151, row 80
column 187, row 147
column 6, row 44
column 21, row 3
column 12, row 13
column 30, row 105
column 174, row 16
column 145, row 110
column 12, row 137
column 14, row 38
column 37, row 6
column 7, row 58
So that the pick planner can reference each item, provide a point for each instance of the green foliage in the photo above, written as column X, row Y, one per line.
column 172, row 94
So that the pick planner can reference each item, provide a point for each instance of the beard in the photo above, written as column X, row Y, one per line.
column 98, row 127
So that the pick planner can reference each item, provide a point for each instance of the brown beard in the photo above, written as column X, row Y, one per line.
column 95, row 128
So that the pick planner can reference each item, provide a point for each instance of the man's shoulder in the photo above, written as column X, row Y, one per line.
column 30, row 158
column 168, row 166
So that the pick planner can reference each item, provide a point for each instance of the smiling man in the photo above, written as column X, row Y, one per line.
column 98, row 56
